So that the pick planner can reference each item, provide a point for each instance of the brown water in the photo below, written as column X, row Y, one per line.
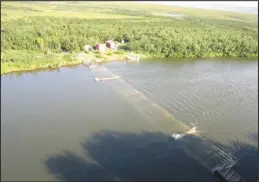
column 63, row 125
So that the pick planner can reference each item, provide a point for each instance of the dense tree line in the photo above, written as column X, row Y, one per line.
column 160, row 38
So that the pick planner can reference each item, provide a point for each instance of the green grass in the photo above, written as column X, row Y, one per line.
column 23, row 10
column 19, row 60
column 28, row 60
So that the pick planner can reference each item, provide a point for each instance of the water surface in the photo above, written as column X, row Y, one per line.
column 63, row 125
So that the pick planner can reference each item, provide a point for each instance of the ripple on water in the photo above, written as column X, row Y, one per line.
column 201, row 93
column 221, row 99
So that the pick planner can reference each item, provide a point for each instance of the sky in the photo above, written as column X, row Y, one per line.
column 237, row 6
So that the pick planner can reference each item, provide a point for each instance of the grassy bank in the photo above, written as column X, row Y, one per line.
column 19, row 60
column 24, row 60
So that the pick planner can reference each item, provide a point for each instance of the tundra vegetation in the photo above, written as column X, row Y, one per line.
column 50, row 34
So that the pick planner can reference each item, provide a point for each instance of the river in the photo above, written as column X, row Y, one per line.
column 62, row 125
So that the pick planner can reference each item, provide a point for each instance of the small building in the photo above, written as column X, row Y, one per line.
column 111, row 44
column 87, row 48
column 101, row 47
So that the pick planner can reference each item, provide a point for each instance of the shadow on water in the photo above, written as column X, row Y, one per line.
column 248, row 160
column 254, row 137
column 147, row 156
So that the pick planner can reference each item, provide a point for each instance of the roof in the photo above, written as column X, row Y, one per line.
column 110, row 41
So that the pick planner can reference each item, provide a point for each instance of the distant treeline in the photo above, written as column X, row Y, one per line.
column 165, row 37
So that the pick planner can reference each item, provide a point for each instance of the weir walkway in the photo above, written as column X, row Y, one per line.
column 215, row 159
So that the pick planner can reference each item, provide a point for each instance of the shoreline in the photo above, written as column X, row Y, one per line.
column 39, row 68
column 78, row 62
column 14, row 68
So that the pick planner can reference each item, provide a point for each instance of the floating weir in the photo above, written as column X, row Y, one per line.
column 106, row 78
column 212, row 157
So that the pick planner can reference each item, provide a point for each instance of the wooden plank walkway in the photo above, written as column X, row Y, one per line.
column 228, row 175
column 213, row 158
column 225, row 171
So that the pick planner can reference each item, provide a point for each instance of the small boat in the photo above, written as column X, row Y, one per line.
column 92, row 66
column 177, row 136
column 99, row 60
column 132, row 58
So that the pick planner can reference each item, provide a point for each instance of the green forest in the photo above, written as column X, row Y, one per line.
column 188, row 37
column 159, row 38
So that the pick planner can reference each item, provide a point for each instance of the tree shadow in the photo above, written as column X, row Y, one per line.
column 146, row 156
column 70, row 167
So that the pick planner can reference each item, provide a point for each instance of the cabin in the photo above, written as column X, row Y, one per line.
column 101, row 47
column 111, row 44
